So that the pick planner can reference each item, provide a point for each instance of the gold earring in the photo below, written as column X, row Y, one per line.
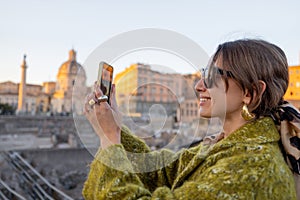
column 246, row 114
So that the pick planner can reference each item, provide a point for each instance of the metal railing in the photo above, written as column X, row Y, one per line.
column 31, row 181
column 7, row 193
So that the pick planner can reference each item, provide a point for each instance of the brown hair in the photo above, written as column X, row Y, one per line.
column 251, row 60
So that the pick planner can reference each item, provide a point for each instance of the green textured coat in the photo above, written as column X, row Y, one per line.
column 247, row 164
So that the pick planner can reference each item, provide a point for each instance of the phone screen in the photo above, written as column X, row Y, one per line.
column 105, row 76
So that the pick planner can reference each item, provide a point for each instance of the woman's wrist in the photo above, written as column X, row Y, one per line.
column 110, row 139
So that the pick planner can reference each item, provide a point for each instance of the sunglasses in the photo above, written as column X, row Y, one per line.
column 210, row 75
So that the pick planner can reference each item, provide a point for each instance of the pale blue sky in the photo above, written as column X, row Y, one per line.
column 47, row 30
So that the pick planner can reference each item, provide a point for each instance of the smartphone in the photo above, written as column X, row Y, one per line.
column 104, row 80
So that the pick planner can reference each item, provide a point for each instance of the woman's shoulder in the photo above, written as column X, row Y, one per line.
column 260, row 131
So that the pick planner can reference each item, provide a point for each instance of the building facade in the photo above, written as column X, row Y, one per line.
column 9, row 94
column 293, row 92
column 188, row 110
column 140, row 88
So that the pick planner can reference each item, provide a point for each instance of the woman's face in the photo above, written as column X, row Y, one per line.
column 216, row 101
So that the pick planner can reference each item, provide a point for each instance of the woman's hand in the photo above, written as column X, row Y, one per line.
column 105, row 119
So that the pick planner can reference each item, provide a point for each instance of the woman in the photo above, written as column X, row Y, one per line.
column 244, row 161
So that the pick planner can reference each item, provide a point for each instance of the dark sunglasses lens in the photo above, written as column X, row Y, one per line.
column 205, row 78
column 210, row 75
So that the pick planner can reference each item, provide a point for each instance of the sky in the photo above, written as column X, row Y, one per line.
column 46, row 30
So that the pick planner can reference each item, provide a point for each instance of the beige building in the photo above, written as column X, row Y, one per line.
column 139, row 88
column 188, row 110
column 9, row 93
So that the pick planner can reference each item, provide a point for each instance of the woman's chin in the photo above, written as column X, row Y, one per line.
column 205, row 115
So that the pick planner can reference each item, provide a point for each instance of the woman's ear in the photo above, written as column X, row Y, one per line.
column 254, row 100
column 260, row 90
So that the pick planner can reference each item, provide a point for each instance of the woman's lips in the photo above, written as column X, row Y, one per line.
column 203, row 100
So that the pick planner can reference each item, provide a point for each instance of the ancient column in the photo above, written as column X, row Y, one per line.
column 22, row 89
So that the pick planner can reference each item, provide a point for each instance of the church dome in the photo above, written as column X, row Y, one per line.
column 70, row 72
column 71, row 66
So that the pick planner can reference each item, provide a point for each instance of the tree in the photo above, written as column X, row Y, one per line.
column 6, row 109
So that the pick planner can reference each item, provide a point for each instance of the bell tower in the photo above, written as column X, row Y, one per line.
column 22, row 89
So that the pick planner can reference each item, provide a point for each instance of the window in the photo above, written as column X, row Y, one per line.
column 153, row 90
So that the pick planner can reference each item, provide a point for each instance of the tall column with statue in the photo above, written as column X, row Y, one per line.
column 22, row 89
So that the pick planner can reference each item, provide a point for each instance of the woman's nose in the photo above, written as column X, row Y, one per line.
column 200, row 87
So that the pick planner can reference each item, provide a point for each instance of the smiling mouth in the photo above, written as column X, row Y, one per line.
column 204, row 99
